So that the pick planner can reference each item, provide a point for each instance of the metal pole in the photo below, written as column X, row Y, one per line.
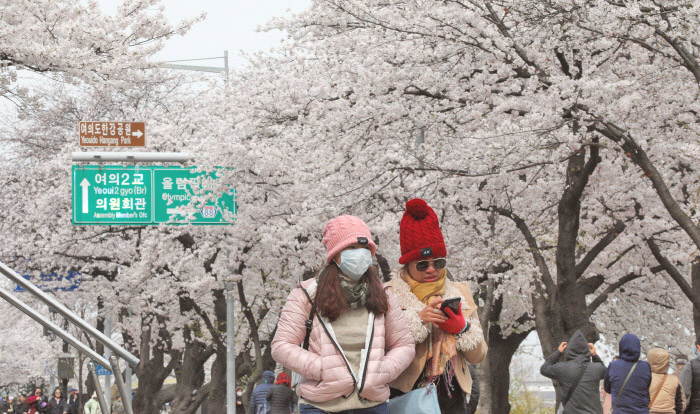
column 81, row 347
column 126, row 398
column 230, row 351
column 98, row 388
column 127, row 370
column 95, row 156
column 108, row 353
column 226, row 64
column 127, row 374
column 68, row 314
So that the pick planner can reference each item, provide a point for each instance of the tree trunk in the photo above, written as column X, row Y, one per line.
column 217, row 396
column 190, row 390
column 495, row 372
column 695, row 280
column 151, row 370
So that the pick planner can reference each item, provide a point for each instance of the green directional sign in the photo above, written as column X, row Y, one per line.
column 149, row 195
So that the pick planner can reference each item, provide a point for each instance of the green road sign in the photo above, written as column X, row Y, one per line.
column 148, row 195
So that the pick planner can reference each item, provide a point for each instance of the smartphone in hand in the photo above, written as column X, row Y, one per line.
column 452, row 303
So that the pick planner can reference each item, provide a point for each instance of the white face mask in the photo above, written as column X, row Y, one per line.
column 355, row 262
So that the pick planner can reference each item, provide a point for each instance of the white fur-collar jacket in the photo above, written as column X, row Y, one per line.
column 411, row 306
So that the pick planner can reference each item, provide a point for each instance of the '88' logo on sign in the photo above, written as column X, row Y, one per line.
column 209, row 212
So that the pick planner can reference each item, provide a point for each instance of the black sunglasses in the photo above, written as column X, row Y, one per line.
column 439, row 264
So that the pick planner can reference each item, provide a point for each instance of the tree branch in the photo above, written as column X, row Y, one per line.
column 610, row 289
column 639, row 156
column 609, row 237
column 532, row 244
column 674, row 273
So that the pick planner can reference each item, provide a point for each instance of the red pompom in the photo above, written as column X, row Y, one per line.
column 417, row 208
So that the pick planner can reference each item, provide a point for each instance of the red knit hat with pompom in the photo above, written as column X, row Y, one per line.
column 419, row 233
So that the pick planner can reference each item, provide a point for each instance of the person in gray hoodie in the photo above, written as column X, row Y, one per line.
column 571, row 360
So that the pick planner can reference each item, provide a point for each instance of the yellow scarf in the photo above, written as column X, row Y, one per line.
column 425, row 291
column 444, row 345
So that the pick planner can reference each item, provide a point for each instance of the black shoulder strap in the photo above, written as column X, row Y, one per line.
column 574, row 384
column 309, row 321
column 617, row 397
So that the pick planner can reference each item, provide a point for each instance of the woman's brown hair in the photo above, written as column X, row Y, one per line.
column 329, row 298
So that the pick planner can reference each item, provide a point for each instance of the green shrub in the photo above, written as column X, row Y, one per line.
column 523, row 401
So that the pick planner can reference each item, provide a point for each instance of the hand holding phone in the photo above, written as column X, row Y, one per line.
column 452, row 303
column 455, row 323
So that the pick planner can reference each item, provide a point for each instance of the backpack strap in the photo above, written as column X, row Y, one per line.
column 310, row 321
column 658, row 390
column 617, row 397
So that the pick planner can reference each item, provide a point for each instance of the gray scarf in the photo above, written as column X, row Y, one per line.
column 354, row 294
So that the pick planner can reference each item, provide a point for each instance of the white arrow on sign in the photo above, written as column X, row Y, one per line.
column 137, row 133
column 85, row 184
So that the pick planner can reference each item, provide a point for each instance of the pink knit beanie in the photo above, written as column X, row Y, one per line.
column 343, row 231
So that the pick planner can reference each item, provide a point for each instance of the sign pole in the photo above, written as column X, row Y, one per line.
column 108, row 354
column 230, row 351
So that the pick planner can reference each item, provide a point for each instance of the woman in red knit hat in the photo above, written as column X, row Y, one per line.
column 446, row 339
column 343, row 332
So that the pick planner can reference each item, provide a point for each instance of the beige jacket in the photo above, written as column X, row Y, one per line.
column 666, row 400
column 471, row 346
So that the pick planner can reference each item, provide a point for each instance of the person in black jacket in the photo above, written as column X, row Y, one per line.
column 634, row 398
column 73, row 403
column 281, row 397
column 21, row 404
column 57, row 404
column 476, row 390
column 579, row 360
column 690, row 380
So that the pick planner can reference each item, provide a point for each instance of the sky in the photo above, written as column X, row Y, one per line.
column 228, row 25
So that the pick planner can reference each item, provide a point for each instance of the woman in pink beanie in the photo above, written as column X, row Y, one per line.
column 342, row 332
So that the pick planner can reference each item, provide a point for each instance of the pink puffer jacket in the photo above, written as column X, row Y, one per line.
column 324, row 367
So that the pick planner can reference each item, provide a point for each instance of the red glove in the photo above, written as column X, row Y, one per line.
column 455, row 323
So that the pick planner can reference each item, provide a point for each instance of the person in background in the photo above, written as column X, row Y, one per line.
column 578, row 369
column 240, row 409
column 57, row 404
column 358, row 340
column 92, row 406
column 476, row 391
column 118, row 406
column 257, row 397
column 21, row 406
column 3, row 404
column 73, row 401
column 281, row 397
column 34, row 402
column 681, row 362
column 665, row 390
column 633, row 398
column 604, row 396
column 690, row 380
